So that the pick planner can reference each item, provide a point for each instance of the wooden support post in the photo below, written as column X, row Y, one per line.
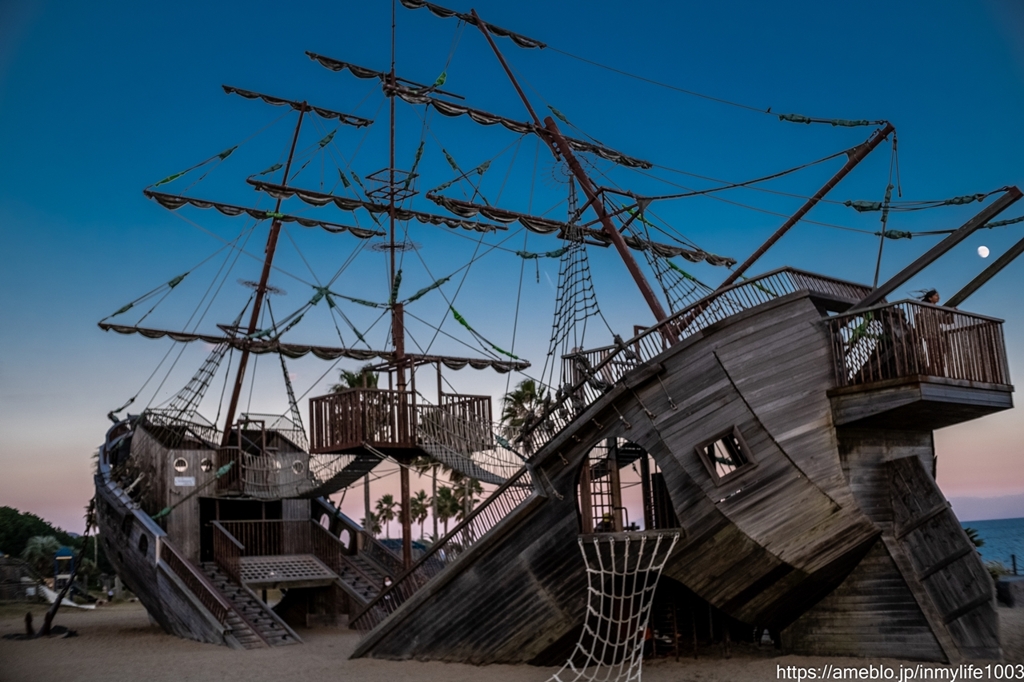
column 645, row 491
column 586, row 505
column 406, row 519
column 986, row 274
column 968, row 228
column 615, row 483
column 366, row 504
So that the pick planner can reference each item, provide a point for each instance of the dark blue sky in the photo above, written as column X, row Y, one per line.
column 97, row 101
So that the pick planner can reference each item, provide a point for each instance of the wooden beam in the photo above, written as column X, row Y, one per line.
column 968, row 228
column 986, row 274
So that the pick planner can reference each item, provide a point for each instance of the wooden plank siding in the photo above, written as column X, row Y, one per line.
column 791, row 534
column 924, row 554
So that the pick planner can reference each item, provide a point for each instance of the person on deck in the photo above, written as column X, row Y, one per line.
column 929, row 323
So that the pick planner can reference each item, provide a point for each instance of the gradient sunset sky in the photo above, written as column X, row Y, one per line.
column 100, row 100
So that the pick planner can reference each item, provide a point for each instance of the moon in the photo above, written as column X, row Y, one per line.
column 983, row 251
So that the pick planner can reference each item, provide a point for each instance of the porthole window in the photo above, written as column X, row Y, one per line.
column 180, row 465
column 726, row 455
column 206, row 464
column 298, row 467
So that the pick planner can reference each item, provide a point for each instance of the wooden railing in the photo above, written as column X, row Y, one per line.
column 196, row 582
column 365, row 543
column 378, row 417
column 593, row 372
column 910, row 338
column 476, row 408
column 498, row 506
column 227, row 552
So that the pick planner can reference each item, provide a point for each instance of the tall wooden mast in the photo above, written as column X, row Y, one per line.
column 550, row 133
column 261, row 288
column 397, row 317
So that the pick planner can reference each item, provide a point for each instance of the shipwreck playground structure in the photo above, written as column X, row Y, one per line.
column 781, row 428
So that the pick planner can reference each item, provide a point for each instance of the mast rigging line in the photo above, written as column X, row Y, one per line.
column 794, row 118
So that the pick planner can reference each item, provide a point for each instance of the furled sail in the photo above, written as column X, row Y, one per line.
column 347, row 204
column 445, row 13
column 173, row 202
column 348, row 119
column 298, row 350
column 522, row 127
column 467, row 209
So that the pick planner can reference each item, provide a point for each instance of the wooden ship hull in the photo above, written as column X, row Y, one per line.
column 782, row 426
column 834, row 536
column 829, row 531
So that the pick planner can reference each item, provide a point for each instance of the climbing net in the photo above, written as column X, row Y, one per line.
column 622, row 573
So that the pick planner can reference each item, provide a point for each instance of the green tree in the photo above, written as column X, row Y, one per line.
column 364, row 378
column 465, row 496
column 39, row 553
column 387, row 511
column 419, row 509
column 447, row 506
column 17, row 527
column 371, row 524
column 523, row 407
column 972, row 535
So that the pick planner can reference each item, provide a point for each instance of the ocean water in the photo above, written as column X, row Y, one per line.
column 1003, row 538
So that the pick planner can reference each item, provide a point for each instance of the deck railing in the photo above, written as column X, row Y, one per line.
column 498, row 506
column 910, row 338
column 196, row 582
column 365, row 543
column 591, row 373
column 227, row 552
column 378, row 417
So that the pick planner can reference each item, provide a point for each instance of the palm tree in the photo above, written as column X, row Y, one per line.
column 39, row 551
column 523, row 407
column 419, row 509
column 466, row 497
column 364, row 378
column 371, row 524
column 447, row 506
column 387, row 511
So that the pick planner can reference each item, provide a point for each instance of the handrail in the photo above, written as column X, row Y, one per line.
column 227, row 551
column 198, row 583
column 506, row 499
column 374, row 548
column 650, row 342
column 332, row 560
column 912, row 338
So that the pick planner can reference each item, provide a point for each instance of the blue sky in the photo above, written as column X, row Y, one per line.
column 98, row 101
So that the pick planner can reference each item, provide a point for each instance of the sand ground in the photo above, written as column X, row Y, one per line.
column 118, row 642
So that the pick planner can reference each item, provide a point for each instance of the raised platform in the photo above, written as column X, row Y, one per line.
column 287, row 571
column 926, row 402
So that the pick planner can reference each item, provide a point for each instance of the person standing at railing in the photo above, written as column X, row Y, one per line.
column 929, row 323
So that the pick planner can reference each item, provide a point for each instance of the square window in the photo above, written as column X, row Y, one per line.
column 725, row 456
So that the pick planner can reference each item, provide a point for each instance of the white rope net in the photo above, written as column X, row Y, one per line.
column 623, row 570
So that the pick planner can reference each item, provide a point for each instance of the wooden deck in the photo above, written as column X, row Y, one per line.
column 385, row 420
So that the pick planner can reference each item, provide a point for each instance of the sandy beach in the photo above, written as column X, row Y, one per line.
column 118, row 642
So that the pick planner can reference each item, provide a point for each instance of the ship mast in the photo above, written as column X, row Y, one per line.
column 397, row 317
column 261, row 288
column 550, row 133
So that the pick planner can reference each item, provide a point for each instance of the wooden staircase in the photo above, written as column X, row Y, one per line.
column 253, row 624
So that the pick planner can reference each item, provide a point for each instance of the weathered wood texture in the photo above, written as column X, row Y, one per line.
column 873, row 613
column 921, row 402
column 132, row 543
column 762, row 547
column 924, row 556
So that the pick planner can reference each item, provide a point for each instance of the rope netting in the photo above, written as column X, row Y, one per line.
column 623, row 570
column 468, row 445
